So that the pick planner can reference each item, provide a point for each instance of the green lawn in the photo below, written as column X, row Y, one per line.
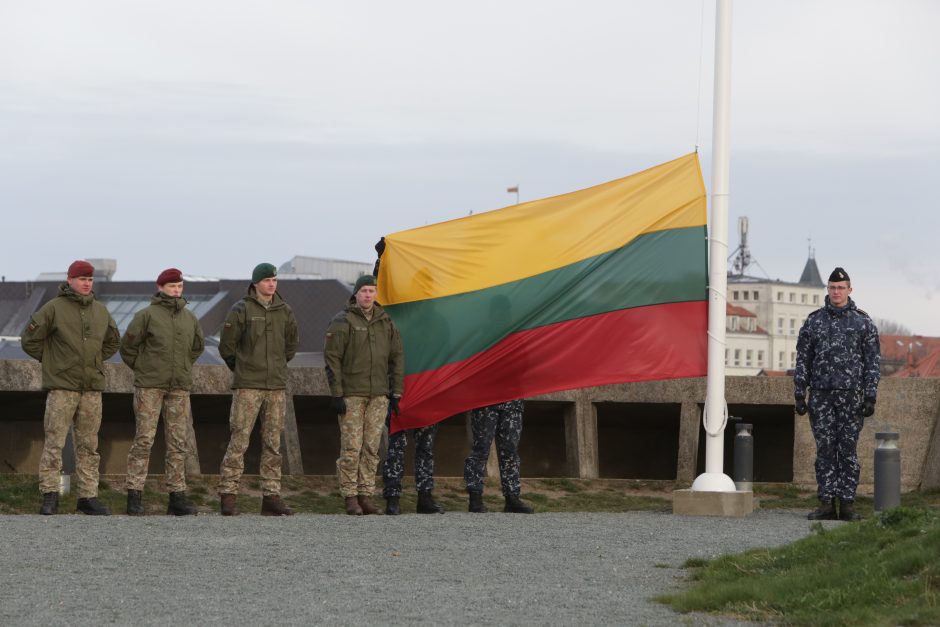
column 884, row 570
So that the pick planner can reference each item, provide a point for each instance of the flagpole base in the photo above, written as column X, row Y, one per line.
column 728, row 504
column 713, row 482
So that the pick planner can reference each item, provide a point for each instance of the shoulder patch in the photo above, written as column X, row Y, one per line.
column 32, row 327
column 228, row 325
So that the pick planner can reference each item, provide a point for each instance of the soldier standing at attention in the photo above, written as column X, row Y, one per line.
column 161, row 345
column 72, row 335
column 365, row 369
column 504, row 423
column 258, row 338
column 838, row 356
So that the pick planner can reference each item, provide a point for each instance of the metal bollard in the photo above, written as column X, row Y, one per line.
column 887, row 471
column 743, row 474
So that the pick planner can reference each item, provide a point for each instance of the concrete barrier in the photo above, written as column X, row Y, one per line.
column 648, row 430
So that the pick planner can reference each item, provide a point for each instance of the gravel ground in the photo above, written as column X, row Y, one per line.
column 458, row 568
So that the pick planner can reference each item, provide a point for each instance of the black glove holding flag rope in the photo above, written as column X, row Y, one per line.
column 800, row 406
column 338, row 405
column 392, row 409
column 868, row 408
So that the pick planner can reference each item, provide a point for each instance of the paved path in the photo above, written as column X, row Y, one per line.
column 459, row 568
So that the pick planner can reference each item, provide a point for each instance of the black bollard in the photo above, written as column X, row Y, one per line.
column 743, row 458
column 887, row 471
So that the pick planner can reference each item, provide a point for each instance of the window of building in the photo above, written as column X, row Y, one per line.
column 792, row 326
column 727, row 352
column 746, row 295
column 779, row 325
column 780, row 296
column 815, row 299
column 780, row 360
column 792, row 297
column 734, row 295
column 734, row 323
column 737, row 357
column 760, row 358
column 792, row 359
column 748, row 356
column 803, row 298
column 755, row 295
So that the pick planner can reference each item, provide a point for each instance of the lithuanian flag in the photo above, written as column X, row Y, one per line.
column 599, row 286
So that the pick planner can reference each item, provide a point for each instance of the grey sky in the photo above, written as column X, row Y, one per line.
column 213, row 135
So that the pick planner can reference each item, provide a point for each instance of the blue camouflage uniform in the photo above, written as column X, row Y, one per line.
column 394, row 468
column 504, row 422
column 838, row 357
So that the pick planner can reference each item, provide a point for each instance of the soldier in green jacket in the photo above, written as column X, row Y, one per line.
column 258, row 338
column 365, row 368
column 72, row 335
column 161, row 345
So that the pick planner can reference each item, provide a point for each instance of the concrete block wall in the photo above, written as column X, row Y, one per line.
column 563, row 435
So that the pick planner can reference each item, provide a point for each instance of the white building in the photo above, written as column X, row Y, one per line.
column 764, row 319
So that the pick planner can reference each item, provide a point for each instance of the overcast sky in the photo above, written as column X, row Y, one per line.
column 211, row 135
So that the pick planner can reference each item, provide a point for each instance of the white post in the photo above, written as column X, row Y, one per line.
column 714, row 479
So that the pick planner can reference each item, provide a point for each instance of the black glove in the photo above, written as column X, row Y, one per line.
column 800, row 406
column 380, row 246
column 868, row 408
column 338, row 405
column 393, row 405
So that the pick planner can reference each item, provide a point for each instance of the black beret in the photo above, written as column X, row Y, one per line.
column 839, row 275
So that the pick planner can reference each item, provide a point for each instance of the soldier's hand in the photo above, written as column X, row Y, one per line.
column 338, row 405
column 800, row 407
column 868, row 408
column 393, row 405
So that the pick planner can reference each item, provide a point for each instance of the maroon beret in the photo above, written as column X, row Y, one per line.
column 170, row 275
column 81, row 268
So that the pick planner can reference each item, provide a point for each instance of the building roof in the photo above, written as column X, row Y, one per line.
column 314, row 302
column 735, row 310
column 907, row 349
column 929, row 366
column 811, row 276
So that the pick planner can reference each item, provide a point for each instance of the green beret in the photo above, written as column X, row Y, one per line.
column 263, row 271
column 365, row 279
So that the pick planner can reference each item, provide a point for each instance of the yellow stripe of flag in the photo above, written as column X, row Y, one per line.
column 524, row 240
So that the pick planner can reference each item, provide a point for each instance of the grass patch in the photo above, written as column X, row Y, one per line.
column 882, row 571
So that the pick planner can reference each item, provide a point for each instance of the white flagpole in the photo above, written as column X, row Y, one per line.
column 714, row 479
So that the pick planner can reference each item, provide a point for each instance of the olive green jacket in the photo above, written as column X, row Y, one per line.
column 364, row 357
column 162, row 343
column 72, row 336
column 256, row 343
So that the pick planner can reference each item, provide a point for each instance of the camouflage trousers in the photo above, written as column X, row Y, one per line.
column 149, row 403
column 246, row 405
column 504, row 423
column 360, row 432
column 394, row 468
column 63, row 407
column 836, row 419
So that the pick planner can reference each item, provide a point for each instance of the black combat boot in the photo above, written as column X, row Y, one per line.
column 427, row 504
column 50, row 503
column 514, row 505
column 825, row 511
column 476, row 503
column 135, row 506
column 179, row 506
column 272, row 505
column 391, row 506
column 847, row 511
column 93, row 507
